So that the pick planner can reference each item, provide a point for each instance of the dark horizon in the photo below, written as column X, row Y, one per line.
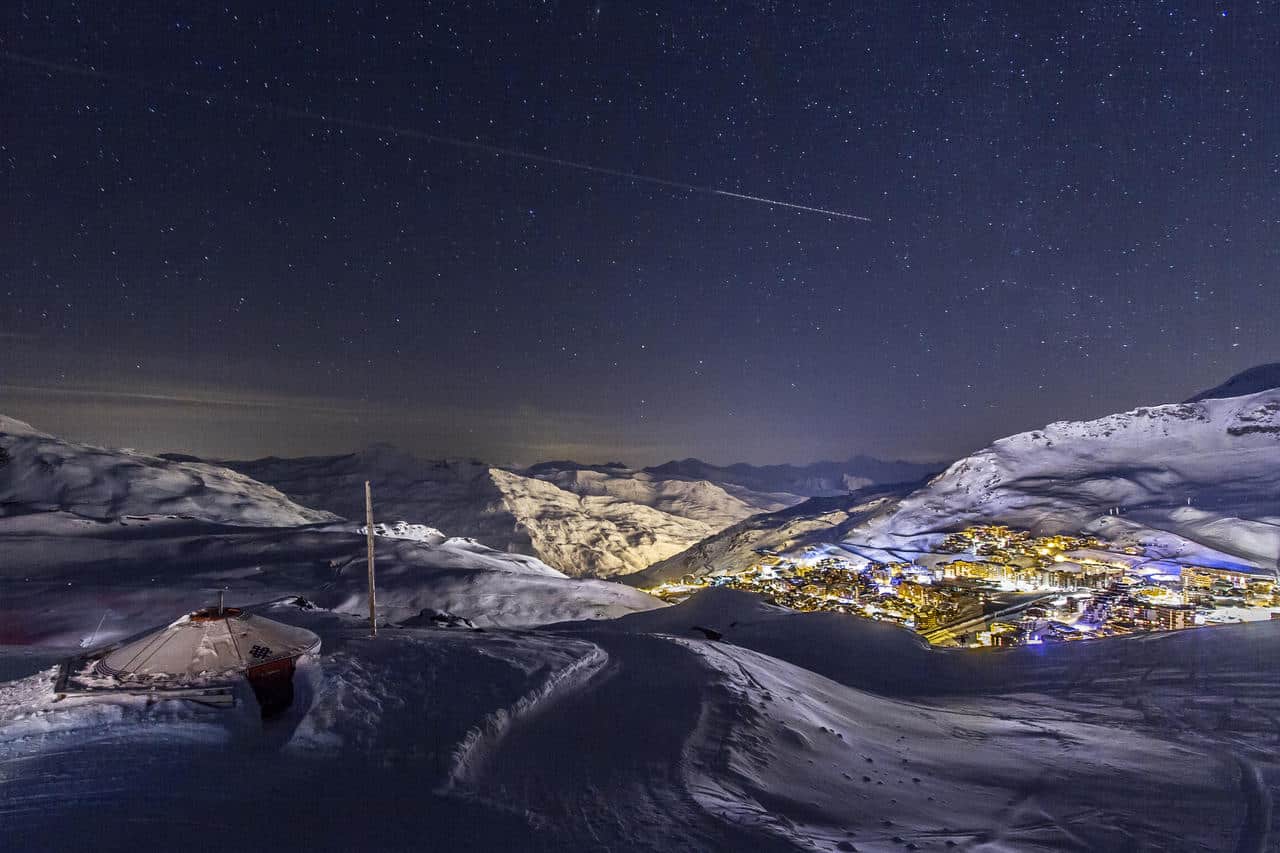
column 1073, row 214
column 123, row 420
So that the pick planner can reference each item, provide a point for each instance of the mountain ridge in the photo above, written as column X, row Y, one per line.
column 1260, row 377
column 1200, row 479
column 583, row 519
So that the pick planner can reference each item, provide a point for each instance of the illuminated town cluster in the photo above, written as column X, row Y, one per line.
column 991, row 585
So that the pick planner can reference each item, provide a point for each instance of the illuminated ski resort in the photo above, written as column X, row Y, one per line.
column 994, row 586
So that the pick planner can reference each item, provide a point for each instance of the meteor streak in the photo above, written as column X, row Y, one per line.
column 408, row 133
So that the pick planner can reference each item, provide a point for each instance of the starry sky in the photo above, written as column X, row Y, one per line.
column 226, row 235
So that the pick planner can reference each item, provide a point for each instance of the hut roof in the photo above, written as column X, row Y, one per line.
column 205, row 645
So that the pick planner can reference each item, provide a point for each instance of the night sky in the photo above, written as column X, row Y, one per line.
column 1076, row 210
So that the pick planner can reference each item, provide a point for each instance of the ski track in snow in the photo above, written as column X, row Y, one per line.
column 620, row 745
column 1256, row 827
column 483, row 740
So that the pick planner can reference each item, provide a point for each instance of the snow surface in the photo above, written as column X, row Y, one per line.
column 405, row 530
column 72, row 582
column 632, row 735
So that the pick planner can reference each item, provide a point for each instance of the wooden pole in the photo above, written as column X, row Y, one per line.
column 373, row 596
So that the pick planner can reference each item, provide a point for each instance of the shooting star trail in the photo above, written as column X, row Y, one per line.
column 408, row 133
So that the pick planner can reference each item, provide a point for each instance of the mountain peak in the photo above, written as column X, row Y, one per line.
column 1263, row 377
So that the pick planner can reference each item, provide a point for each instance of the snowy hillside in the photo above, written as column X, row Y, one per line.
column 455, row 495
column 61, row 573
column 607, row 524
column 808, row 732
column 583, row 520
column 1205, row 472
column 815, row 521
column 696, row 498
column 108, row 537
column 41, row 473
column 1196, row 480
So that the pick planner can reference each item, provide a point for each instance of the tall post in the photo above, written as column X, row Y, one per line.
column 373, row 596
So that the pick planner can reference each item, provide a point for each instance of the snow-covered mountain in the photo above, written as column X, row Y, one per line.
column 1200, row 478
column 1206, row 472
column 68, row 581
column 713, row 502
column 583, row 520
column 455, row 495
column 112, row 537
column 815, row 521
column 41, row 473
column 1263, row 377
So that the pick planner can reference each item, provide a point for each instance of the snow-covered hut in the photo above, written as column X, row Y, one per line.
column 211, row 647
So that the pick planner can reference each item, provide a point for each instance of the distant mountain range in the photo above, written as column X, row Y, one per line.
column 1206, row 471
column 597, row 520
column 818, row 479
column 585, row 520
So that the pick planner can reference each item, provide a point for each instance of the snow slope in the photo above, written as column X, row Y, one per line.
column 583, row 520
column 631, row 735
column 61, row 573
column 695, row 498
column 1205, row 472
column 120, row 541
column 1196, row 481
column 606, row 525
column 457, row 495
column 558, row 727
column 816, row 521
column 41, row 473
